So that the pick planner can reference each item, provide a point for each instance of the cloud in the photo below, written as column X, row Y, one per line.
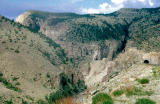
column 114, row 5
column 103, row 8
column 151, row 3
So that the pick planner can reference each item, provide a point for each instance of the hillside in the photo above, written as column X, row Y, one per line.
column 30, row 64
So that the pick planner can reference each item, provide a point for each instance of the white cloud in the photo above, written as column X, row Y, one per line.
column 90, row 11
column 151, row 3
column 118, row 1
column 142, row 0
column 103, row 8
column 115, row 5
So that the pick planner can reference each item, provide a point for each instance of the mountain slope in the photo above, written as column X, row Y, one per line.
column 29, row 63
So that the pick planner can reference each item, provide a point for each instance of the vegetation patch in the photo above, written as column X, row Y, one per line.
column 24, row 102
column 156, row 71
column 145, row 101
column 143, row 81
column 41, row 102
column 8, row 102
column 15, row 78
column 8, row 84
column 1, row 74
column 107, row 102
column 137, row 91
column 16, row 51
column 118, row 92
column 102, row 98
column 67, row 88
column 132, row 90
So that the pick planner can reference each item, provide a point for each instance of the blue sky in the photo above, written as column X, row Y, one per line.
column 12, row 8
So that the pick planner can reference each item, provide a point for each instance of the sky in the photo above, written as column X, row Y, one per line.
column 13, row 8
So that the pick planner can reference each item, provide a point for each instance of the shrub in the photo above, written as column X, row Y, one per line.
column 144, row 101
column 67, row 88
column 8, row 84
column 143, row 81
column 10, row 40
column 1, row 74
column 17, row 83
column 156, row 71
column 3, row 42
column 15, row 78
column 8, row 102
column 102, row 98
column 107, row 102
column 118, row 92
column 16, row 51
column 41, row 102
column 48, row 75
column 24, row 102
column 54, row 96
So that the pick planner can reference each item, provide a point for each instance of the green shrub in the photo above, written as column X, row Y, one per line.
column 10, row 40
column 67, row 88
column 107, row 102
column 24, row 102
column 3, row 42
column 1, row 74
column 8, row 102
column 8, row 84
column 17, row 51
column 40, row 102
column 54, row 96
column 118, row 92
column 156, row 71
column 48, row 75
column 17, row 83
column 144, row 101
column 102, row 98
column 143, row 81
column 15, row 78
